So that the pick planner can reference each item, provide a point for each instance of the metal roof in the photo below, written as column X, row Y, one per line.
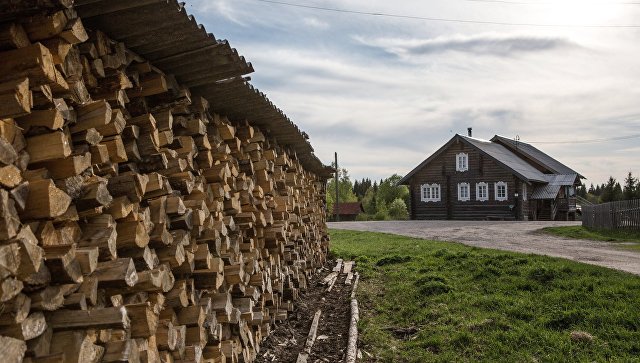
column 532, row 152
column 555, row 182
column 162, row 32
column 503, row 156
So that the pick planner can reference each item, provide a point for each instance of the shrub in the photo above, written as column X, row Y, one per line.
column 381, row 216
column 362, row 217
column 398, row 209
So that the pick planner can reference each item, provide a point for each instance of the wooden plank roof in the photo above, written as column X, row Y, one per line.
column 165, row 34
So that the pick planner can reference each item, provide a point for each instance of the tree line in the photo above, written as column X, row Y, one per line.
column 381, row 200
column 612, row 190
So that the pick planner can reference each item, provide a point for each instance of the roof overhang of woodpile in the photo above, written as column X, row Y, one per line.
column 162, row 32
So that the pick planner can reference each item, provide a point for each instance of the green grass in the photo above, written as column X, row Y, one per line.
column 425, row 301
column 631, row 238
column 599, row 235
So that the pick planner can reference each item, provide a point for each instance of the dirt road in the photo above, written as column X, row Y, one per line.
column 511, row 236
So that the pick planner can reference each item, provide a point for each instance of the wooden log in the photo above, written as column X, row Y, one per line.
column 34, row 62
column 117, row 273
column 352, row 343
column 92, row 115
column 15, row 98
column 67, row 167
column 61, row 262
column 74, row 32
column 143, row 320
column 45, row 200
column 44, row 26
column 121, row 351
column 50, row 146
column 9, row 221
column 16, row 310
column 12, row 350
column 12, row 36
column 31, row 327
column 105, row 318
column 31, row 254
column 10, row 287
column 77, row 346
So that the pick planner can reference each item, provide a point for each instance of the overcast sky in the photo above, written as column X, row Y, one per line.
column 387, row 92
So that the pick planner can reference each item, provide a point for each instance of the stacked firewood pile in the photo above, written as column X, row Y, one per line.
column 136, row 225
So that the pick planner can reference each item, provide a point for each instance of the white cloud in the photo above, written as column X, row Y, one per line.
column 385, row 93
column 495, row 44
column 315, row 23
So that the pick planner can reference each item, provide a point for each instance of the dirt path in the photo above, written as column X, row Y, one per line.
column 511, row 236
column 289, row 337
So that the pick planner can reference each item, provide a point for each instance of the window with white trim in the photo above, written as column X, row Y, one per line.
column 462, row 162
column 464, row 193
column 482, row 191
column 524, row 191
column 501, row 191
column 430, row 192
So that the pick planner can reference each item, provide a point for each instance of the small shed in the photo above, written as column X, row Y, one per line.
column 348, row 211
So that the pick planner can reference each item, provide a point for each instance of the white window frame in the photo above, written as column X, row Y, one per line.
column 462, row 162
column 430, row 192
column 506, row 191
column 483, row 197
column 464, row 198
column 524, row 191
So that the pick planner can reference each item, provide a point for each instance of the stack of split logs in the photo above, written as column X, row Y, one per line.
column 136, row 225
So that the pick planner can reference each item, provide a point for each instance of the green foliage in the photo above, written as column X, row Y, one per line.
column 427, row 301
column 613, row 191
column 398, row 210
column 632, row 238
column 345, row 190
column 631, row 187
column 362, row 217
column 387, row 200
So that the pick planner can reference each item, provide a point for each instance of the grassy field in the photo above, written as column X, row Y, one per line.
column 425, row 301
column 579, row 232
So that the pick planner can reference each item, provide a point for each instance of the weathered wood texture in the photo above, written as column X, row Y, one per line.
column 620, row 215
column 442, row 171
column 137, row 224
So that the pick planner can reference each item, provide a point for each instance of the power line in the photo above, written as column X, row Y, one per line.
column 550, row 2
column 591, row 141
column 448, row 20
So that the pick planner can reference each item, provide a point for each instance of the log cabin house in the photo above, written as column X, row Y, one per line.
column 497, row 179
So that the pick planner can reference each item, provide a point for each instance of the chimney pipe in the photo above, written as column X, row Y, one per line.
column 469, row 131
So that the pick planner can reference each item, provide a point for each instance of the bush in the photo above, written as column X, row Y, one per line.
column 381, row 216
column 398, row 209
column 362, row 217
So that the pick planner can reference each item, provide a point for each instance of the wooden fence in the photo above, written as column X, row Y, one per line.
column 615, row 215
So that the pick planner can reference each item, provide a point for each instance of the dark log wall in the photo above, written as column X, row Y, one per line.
column 442, row 170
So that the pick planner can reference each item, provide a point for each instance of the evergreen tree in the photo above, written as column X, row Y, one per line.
column 631, row 186
column 611, row 191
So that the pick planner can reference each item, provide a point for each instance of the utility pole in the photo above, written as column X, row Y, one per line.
column 335, row 203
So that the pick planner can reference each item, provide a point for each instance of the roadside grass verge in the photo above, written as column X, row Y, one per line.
column 427, row 301
column 579, row 232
